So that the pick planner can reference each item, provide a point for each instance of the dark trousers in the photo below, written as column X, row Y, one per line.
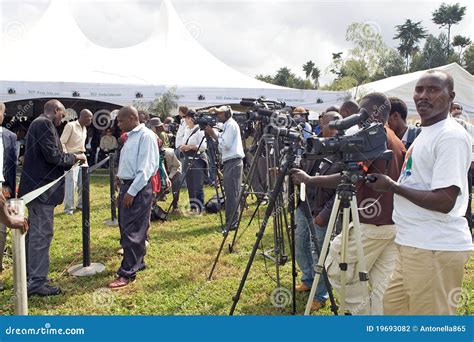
column 133, row 223
column 233, row 170
column 38, row 241
column 195, row 183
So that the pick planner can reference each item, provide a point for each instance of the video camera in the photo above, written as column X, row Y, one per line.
column 369, row 143
column 268, row 111
column 206, row 119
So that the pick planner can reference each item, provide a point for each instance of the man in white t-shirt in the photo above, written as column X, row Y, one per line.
column 430, row 200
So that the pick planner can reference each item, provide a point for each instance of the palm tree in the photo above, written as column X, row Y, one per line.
column 448, row 15
column 410, row 33
column 308, row 68
column 315, row 75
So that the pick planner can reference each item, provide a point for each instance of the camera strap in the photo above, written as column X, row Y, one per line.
column 192, row 133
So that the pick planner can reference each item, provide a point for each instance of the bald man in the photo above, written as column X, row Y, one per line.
column 73, row 140
column 139, row 161
column 44, row 162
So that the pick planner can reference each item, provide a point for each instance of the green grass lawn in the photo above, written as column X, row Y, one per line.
column 179, row 259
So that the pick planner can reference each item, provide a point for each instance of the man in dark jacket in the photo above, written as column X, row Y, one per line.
column 44, row 162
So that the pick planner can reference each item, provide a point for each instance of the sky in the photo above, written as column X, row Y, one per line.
column 253, row 37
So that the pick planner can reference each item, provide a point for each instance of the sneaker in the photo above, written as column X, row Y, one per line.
column 45, row 290
column 69, row 212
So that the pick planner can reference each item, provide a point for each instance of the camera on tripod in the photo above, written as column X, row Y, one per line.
column 206, row 119
column 369, row 143
column 267, row 111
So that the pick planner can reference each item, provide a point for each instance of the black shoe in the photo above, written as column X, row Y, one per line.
column 45, row 290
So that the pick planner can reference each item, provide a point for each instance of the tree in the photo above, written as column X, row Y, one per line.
column 308, row 68
column 462, row 42
column 283, row 76
column 336, row 64
column 369, row 45
column 410, row 33
column 265, row 78
column 468, row 58
column 355, row 69
column 432, row 54
column 315, row 75
column 163, row 105
column 391, row 64
column 343, row 83
column 448, row 15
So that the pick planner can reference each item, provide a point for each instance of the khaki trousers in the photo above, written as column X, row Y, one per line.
column 425, row 282
column 380, row 254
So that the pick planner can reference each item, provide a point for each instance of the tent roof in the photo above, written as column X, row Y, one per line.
column 56, row 50
column 402, row 86
column 55, row 59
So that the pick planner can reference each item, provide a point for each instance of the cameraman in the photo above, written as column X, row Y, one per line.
column 317, row 207
column 230, row 146
column 377, row 227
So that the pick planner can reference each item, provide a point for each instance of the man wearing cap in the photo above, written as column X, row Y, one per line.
column 159, row 128
column 232, row 152
column 299, row 114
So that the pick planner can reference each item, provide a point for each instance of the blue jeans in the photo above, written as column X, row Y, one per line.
column 305, row 257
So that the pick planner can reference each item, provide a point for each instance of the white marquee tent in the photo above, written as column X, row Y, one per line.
column 402, row 86
column 55, row 59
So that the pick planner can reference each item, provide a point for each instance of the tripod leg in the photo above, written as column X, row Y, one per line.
column 329, row 289
column 271, row 206
column 322, row 256
column 242, row 199
column 362, row 268
column 343, row 261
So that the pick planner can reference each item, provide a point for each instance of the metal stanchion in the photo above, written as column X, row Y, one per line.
column 86, row 268
column 19, row 272
column 19, row 262
column 113, row 208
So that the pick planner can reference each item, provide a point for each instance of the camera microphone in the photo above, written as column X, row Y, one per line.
column 350, row 121
column 247, row 102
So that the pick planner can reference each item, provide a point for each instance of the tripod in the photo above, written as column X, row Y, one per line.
column 345, row 199
column 288, row 161
column 312, row 231
column 267, row 142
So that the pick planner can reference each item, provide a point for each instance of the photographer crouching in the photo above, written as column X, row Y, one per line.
column 232, row 152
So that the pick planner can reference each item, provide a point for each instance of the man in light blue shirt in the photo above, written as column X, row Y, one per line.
column 232, row 152
column 139, row 161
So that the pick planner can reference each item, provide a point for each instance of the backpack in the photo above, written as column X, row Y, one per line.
column 157, row 213
column 212, row 206
column 413, row 132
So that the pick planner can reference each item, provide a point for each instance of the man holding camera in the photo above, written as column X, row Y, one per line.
column 317, row 207
column 430, row 199
column 377, row 227
column 232, row 152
